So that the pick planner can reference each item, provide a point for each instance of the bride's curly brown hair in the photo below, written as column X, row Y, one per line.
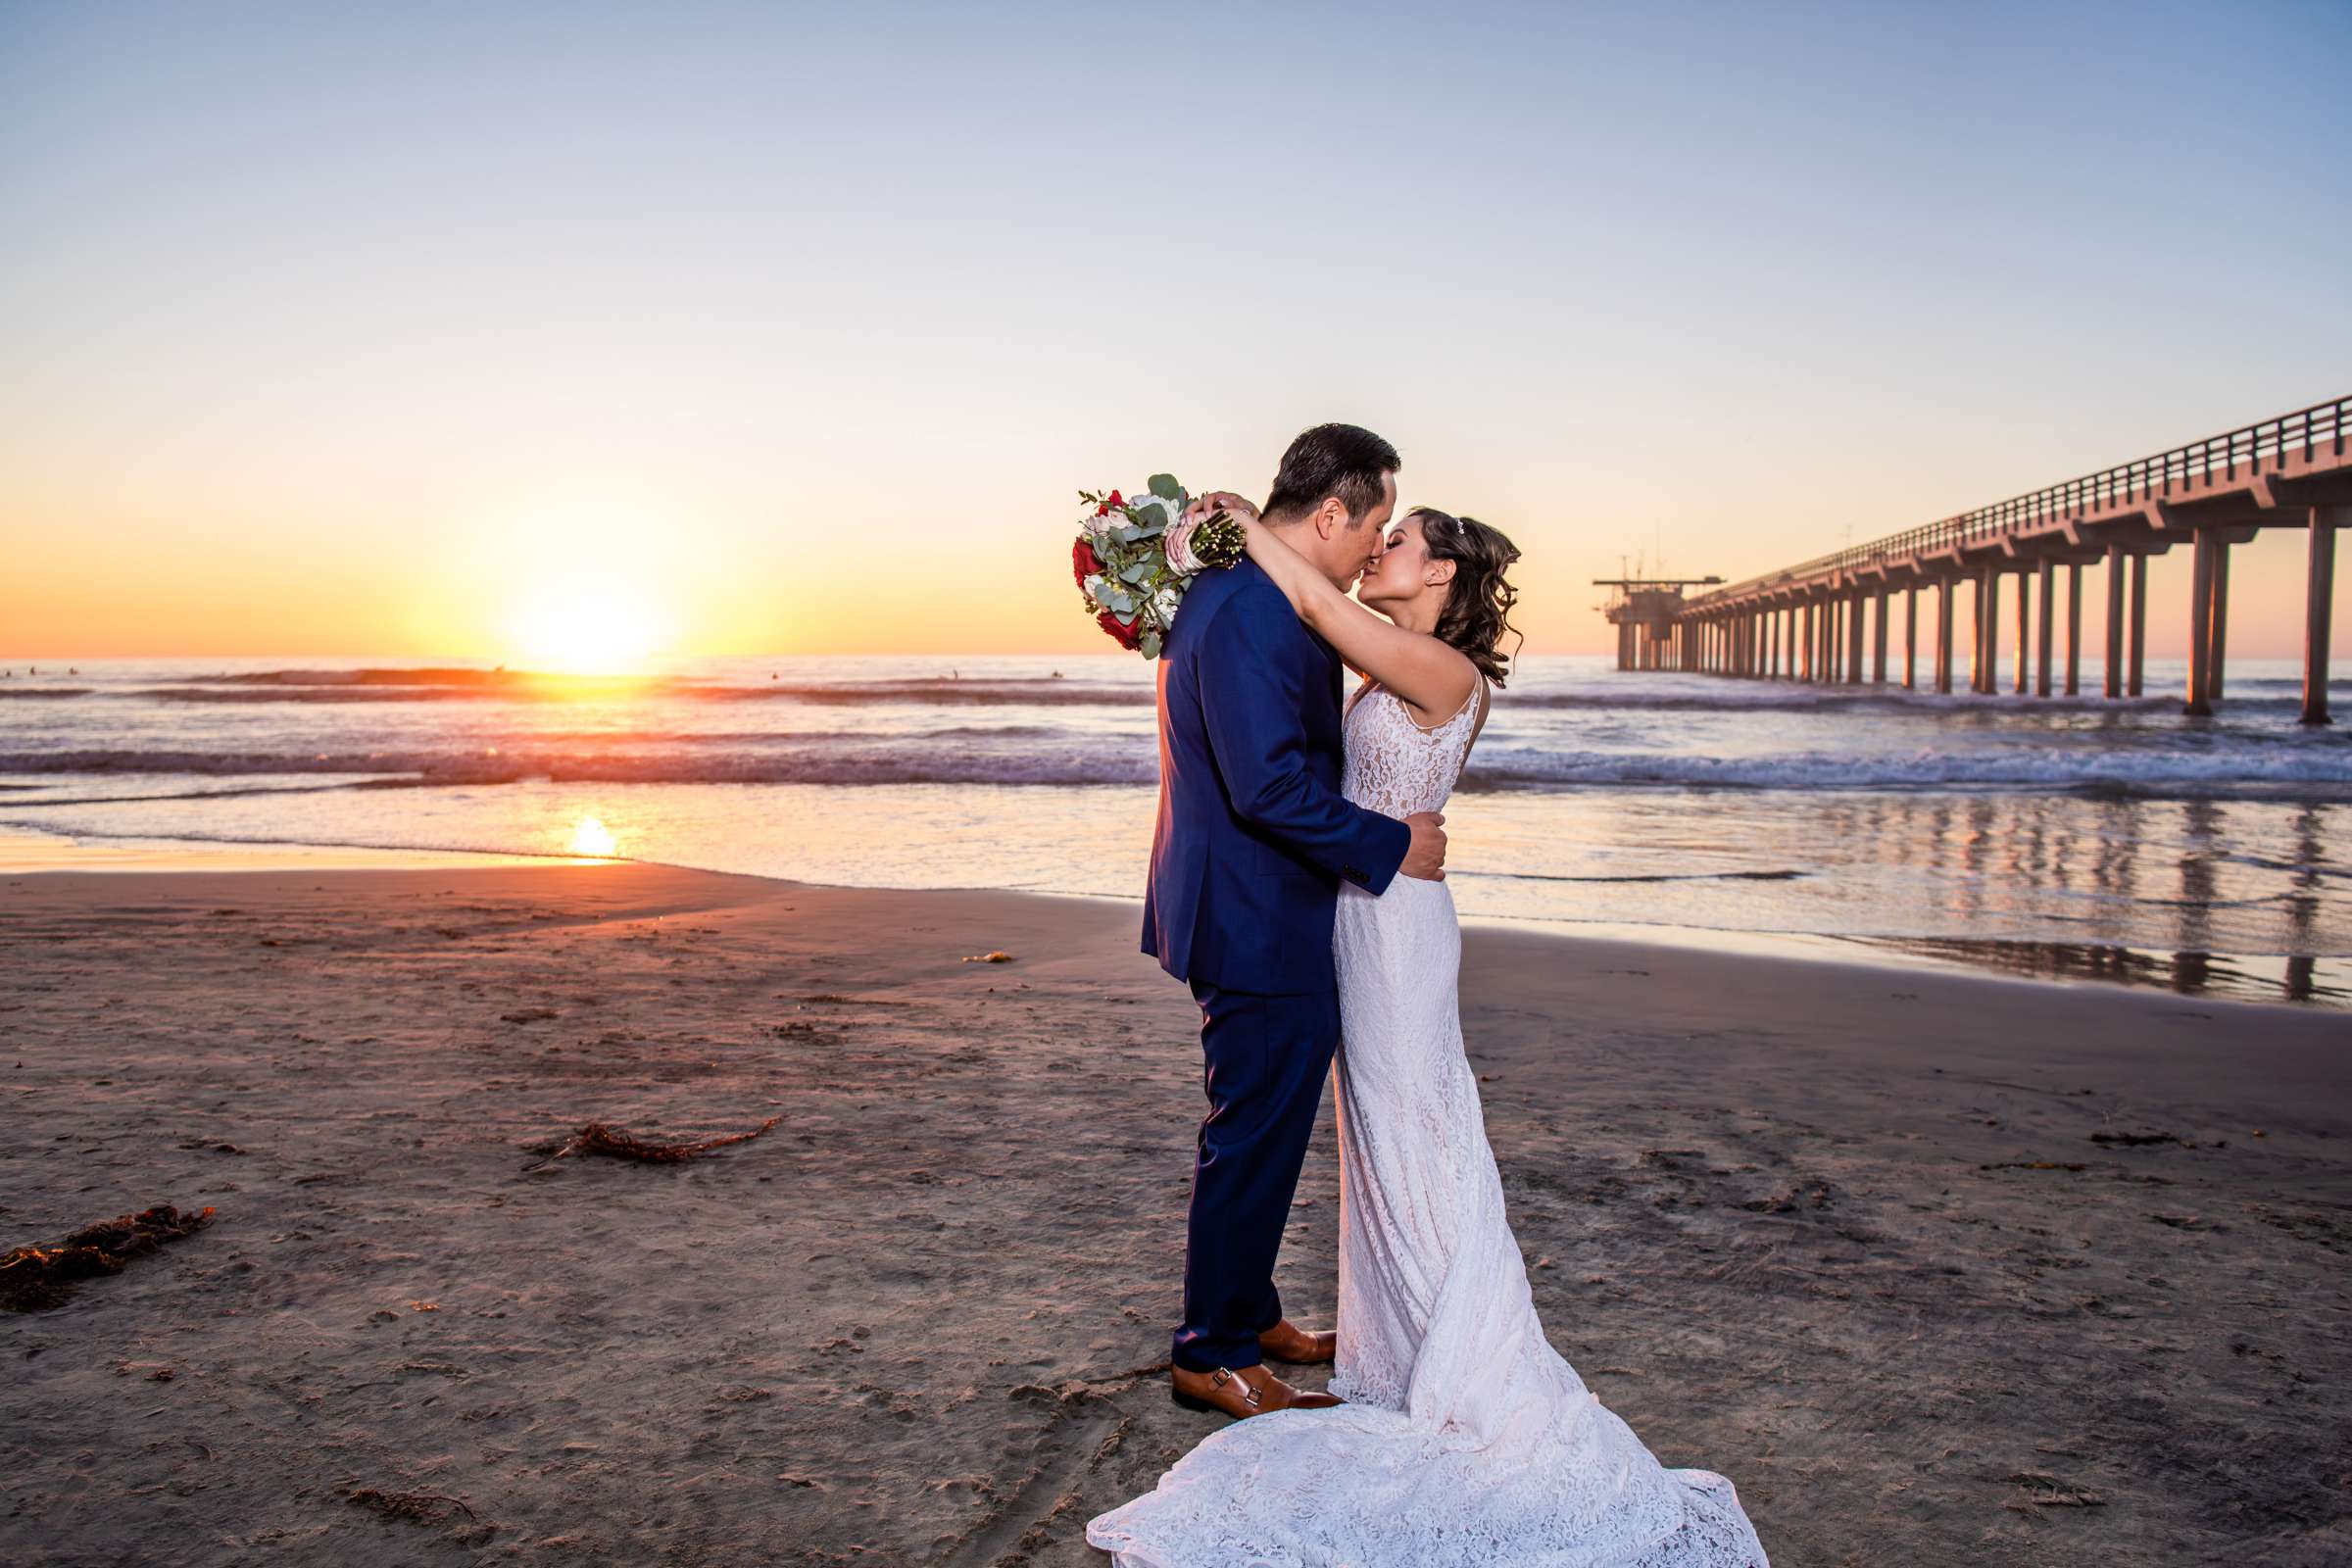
column 1478, row 606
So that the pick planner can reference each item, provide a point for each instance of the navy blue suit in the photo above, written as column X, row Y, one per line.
column 1253, row 840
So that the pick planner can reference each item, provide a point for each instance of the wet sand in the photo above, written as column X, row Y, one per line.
column 1938, row 1268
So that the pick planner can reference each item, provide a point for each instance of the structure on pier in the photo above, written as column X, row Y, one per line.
column 1644, row 609
column 1809, row 622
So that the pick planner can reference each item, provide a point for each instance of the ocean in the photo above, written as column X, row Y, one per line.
column 2071, row 838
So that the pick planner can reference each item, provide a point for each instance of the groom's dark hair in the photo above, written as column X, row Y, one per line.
column 1345, row 461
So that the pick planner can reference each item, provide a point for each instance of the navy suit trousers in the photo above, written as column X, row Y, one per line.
column 1265, row 1059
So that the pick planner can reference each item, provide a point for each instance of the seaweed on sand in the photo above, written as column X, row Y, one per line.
column 34, row 1279
column 596, row 1138
column 426, row 1507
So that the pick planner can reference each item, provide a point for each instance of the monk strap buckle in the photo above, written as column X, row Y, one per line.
column 1220, row 1377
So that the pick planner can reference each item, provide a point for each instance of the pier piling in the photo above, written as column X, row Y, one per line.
column 2200, row 628
column 2073, row 628
column 1976, row 633
column 2049, row 616
column 1991, row 635
column 2025, row 627
column 2318, row 594
column 2139, row 625
column 2115, row 621
column 2221, row 617
column 1911, row 637
column 1943, row 636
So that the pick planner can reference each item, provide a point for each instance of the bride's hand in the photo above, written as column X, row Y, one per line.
column 1288, row 570
column 1241, row 510
column 1256, row 537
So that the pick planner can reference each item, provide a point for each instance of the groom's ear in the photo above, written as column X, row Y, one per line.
column 1330, row 517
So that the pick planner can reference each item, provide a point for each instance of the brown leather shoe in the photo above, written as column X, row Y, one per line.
column 1242, row 1392
column 1287, row 1341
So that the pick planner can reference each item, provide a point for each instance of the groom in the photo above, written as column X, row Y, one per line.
column 1252, row 840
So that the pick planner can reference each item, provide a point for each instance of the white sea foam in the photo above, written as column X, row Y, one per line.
column 1560, row 725
column 1692, row 801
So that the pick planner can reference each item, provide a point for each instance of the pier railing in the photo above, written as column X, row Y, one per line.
column 1807, row 621
column 2322, row 425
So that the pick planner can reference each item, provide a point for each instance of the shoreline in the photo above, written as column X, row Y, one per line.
column 1905, row 1256
column 2324, row 983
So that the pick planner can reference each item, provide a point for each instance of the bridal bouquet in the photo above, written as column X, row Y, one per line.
column 1134, row 558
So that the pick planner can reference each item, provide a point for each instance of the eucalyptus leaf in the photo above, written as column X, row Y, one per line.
column 1129, row 534
column 1164, row 485
column 1122, row 605
column 1137, row 572
column 1149, row 646
column 1106, row 594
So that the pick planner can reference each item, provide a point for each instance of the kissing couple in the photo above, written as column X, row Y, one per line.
column 1298, row 885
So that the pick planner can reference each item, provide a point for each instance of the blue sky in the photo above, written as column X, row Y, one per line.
column 392, row 301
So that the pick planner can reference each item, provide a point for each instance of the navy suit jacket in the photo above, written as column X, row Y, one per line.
column 1253, row 835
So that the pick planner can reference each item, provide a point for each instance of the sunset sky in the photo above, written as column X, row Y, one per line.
column 434, row 329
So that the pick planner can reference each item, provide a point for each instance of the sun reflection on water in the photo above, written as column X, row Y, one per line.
column 592, row 839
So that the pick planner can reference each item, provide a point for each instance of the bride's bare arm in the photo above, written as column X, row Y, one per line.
column 1434, row 678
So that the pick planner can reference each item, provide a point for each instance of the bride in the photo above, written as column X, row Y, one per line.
column 1466, row 1441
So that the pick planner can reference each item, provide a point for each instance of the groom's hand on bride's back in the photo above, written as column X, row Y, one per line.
column 1425, row 856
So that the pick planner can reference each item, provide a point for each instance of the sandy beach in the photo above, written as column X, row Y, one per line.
column 1938, row 1268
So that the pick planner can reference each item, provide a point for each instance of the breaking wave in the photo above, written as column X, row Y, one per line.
column 1027, row 756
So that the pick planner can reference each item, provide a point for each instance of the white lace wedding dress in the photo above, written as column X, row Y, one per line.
column 1467, row 1441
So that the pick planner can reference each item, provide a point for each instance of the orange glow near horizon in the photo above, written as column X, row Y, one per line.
column 568, row 590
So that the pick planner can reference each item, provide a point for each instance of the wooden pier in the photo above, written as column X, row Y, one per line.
column 1816, row 622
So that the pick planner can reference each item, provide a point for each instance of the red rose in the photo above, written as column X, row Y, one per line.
column 1127, row 637
column 1115, row 501
column 1104, row 511
column 1084, row 562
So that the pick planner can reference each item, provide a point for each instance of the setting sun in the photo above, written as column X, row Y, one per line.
column 586, row 630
